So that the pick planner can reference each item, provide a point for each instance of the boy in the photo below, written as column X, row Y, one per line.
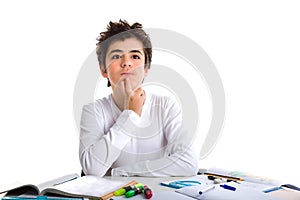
column 132, row 132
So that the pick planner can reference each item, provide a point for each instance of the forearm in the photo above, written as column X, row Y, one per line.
column 178, row 164
column 99, row 150
column 97, row 158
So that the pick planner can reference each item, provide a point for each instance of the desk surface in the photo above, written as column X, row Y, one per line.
column 154, row 184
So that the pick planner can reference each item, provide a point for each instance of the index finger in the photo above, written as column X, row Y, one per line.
column 128, row 87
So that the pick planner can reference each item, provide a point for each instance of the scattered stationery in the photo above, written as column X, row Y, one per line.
column 230, row 191
column 124, row 190
column 259, row 183
column 241, row 176
column 210, row 185
column 132, row 190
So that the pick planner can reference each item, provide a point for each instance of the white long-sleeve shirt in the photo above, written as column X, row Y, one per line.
column 151, row 145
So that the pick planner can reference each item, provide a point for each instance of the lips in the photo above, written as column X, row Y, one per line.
column 126, row 74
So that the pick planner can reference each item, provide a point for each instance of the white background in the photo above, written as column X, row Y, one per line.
column 255, row 46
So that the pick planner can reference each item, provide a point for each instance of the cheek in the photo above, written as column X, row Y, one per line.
column 111, row 63
column 138, row 62
column 113, row 67
column 111, row 73
column 140, row 70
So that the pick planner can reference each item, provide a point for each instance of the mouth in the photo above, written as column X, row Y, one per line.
column 126, row 74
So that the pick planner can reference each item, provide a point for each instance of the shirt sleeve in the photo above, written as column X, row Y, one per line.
column 97, row 149
column 179, row 159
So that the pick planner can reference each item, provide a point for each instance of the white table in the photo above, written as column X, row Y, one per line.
column 162, row 192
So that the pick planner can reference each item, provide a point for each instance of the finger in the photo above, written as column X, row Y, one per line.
column 128, row 88
column 138, row 91
column 144, row 95
column 142, row 92
column 120, row 86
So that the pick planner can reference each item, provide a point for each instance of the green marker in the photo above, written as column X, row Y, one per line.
column 133, row 192
column 139, row 185
column 119, row 192
column 122, row 191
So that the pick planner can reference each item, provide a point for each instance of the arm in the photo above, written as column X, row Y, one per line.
column 181, row 163
column 179, row 158
column 97, row 150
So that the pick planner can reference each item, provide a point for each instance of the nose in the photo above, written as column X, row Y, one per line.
column 126, row 62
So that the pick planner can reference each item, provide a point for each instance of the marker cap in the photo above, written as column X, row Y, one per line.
column 139, row 185
column 147, row 192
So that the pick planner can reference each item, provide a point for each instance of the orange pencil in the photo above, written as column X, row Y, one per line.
column 111, row 194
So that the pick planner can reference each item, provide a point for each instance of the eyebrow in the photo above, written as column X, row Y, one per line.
column 121, row 51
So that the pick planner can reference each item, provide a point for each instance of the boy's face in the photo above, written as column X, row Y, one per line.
column 125, row 60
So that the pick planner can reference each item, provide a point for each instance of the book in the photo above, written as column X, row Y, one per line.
column 18, row 188
column 71, row 185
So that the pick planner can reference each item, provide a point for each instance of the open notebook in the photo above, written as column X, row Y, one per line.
column 69, row 186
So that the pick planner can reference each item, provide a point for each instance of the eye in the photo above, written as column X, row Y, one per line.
column 116, row 56
column 136, row 57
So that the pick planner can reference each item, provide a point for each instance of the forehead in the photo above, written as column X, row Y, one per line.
column 126, row 45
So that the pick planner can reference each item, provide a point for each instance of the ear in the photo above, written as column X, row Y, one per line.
column 103, row 71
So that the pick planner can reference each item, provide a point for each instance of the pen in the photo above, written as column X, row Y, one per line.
column 272, row 189
column 291, row 187
column 65, row 181
column 206, row 189
column 228, row 187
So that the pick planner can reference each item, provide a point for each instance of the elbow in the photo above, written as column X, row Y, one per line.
column 90, row 166
column 192, row 168
column 190, row 165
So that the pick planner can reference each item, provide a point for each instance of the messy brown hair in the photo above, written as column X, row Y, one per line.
column 119, row 31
